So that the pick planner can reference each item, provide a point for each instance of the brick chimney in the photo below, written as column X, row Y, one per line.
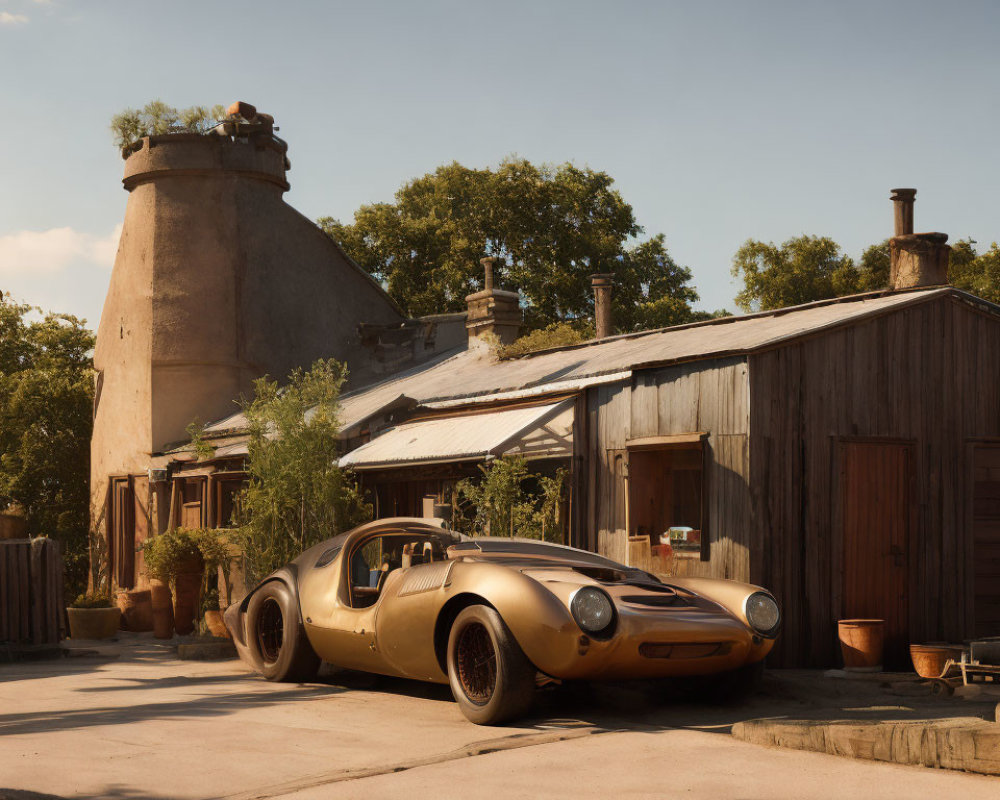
column 915, row 259
column 603, row 322
column 492, row 311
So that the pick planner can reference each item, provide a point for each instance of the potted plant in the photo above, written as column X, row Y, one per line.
column 159, row 568
column 174, row 556
column 92, row 615
column 216, row 555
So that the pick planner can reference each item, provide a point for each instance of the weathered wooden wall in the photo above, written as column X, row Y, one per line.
column 704, row 396
column 928, row 374
column 31, row 591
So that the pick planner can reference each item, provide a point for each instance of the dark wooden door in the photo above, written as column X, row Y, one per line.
column 122, row 533
column 877, row 509
column 986, row 539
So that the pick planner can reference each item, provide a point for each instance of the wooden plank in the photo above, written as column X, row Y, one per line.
column 36, row 601
column 4, row 629
column 23, row 591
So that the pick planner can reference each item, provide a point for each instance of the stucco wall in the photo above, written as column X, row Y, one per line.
column 217, row 281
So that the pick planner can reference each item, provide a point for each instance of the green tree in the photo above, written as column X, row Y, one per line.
column 46, row 407
column 550, row 228
column 978, row 273
column 801, row 270
column 297, row 495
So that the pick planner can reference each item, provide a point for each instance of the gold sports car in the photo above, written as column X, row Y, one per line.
column 407, row 598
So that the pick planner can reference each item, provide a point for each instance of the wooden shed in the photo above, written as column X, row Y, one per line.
column 851, row 465
column 844, row 454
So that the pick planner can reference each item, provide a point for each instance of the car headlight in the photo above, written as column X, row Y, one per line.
column 763, row 613
column 593, row 611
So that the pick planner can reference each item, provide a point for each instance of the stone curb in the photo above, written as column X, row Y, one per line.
column 964, row 743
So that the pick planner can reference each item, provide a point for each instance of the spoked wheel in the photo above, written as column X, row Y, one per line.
column 276, row 638
column 491, row 678
column 270, row 630
column 477, row 663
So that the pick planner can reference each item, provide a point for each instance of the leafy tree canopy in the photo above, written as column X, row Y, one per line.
column 297, row 496
column 978, row 273
column 804, row 269
column 809, row 268
column 550, row 228
column 46, row 406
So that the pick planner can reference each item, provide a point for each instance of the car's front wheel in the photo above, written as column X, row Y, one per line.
column 492, row 680
column 276, row 638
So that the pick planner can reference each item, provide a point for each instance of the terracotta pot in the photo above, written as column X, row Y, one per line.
column 929, row 659
column 93, row 623
column 162, row 603
column 216, row 625
column 187, row 594
column 137, row 610
column 861, row 642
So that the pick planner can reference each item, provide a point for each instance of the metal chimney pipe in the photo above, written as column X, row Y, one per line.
column 602, row 283
column 902, row 200
column 488, row 267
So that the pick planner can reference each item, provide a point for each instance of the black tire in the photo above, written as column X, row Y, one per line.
column 276, row 637
column 492, row 680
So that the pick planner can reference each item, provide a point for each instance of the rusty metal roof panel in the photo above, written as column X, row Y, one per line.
column 471, row 373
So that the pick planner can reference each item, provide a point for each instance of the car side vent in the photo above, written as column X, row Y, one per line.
column 328, row 556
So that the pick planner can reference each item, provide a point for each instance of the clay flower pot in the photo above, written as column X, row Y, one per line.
column 137, row 610
column 929, row 659
column 93, row 623
column 216, row 626
column 187, row 594
column 162, row 603
column 861, row 643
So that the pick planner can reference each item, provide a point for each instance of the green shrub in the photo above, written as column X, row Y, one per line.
column 558, row 334
column 171, row 554
column 91, row 600
column 508, row 500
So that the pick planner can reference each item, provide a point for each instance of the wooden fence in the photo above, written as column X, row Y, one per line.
column 31, row 591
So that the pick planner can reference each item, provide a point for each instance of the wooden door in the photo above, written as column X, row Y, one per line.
column 877, row 509
column 122, row 545
column 986, row 539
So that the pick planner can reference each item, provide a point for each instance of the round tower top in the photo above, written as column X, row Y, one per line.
column 249, row 151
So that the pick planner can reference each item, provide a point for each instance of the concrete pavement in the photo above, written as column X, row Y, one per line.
column 147, row 725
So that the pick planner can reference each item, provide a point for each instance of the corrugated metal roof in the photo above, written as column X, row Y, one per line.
column 471, row 375
column 469, row 437
column 468, row 374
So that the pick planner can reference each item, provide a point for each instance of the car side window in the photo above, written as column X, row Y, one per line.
column 373, row 560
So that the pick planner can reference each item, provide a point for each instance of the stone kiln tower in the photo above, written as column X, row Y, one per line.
column 216, row 282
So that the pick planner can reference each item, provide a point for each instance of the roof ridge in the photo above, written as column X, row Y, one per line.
column 774, row 312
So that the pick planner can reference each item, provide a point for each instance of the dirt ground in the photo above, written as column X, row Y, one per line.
column 137, row 723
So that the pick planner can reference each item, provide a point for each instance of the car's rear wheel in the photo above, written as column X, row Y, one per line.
column 492, row 680
column 276, row 638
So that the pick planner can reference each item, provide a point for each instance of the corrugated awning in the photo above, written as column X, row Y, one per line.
column 534, row 431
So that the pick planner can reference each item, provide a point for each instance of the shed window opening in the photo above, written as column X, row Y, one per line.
column 666, row 497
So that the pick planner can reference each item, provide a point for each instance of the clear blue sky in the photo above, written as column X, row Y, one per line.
column 719, row 120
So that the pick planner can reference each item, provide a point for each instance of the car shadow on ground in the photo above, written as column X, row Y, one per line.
column 200, row 705
column 111, row 792
column 661, row 705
